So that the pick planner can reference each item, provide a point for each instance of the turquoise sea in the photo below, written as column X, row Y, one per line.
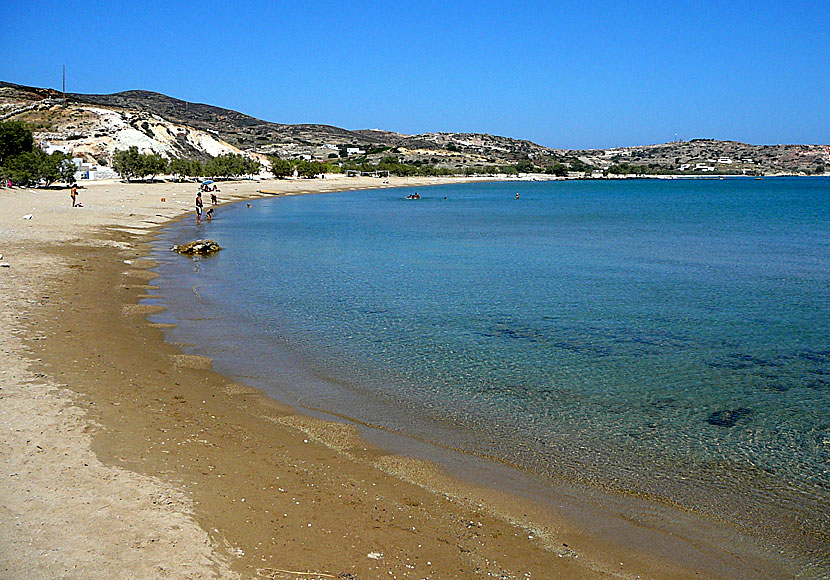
column 667, row 338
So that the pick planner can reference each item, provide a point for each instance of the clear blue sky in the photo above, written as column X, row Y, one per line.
column 562, row 74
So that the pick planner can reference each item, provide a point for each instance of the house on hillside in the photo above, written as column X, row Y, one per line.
column 49, row 148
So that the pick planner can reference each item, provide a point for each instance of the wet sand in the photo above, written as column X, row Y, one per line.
column 123, row 457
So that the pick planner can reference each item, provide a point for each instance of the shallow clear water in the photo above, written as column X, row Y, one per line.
column 667, row 337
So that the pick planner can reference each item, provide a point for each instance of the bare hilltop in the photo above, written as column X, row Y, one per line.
column 92, row 127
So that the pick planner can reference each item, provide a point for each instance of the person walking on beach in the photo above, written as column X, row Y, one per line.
column 72, row 193
column 213, row 199
column 199, row 208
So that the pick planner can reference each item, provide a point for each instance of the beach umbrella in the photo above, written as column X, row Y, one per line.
column 207, row 182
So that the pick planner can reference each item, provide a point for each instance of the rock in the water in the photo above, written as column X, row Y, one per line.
column 728, row 417
column 200, row 247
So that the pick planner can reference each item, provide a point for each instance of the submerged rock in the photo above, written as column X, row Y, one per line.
column 201, row 247
column 728, row 417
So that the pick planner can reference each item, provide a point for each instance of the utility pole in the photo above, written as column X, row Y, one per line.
column 64, row 83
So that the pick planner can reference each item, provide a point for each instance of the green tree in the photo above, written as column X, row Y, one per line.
column 525, row 166
column 127, row 163
column 251, row 166
column 33, row 167
column 195, row 168
column 152, row 164
column 66, row 170
column 22, row 169
column 329, row 168
column 308, row 169
column 26, row 164
column 15, row 138
column 557, row 169
column 57, row 166
column 231, row 165
column 280, row 168
column 131, row 164
column 180, row 168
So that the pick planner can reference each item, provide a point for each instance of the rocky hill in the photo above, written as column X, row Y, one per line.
column 239, row 129
column 93, row 132
column 93, row 126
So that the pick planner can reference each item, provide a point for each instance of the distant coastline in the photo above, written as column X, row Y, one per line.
column 91, row 128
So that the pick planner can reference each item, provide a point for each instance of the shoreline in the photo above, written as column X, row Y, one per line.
column 169, row 418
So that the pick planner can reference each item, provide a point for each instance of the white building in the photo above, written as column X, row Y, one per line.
column 89, row 171
column 49, row 148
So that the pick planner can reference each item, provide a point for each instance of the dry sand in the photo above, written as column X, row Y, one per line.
column 120, row 457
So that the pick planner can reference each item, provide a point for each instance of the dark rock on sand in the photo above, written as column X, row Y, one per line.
column 728, row 417
column 200, row 247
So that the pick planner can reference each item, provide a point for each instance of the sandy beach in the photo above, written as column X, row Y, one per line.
column 121, row 457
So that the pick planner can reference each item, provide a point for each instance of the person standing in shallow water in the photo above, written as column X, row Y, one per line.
column 199, row 206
